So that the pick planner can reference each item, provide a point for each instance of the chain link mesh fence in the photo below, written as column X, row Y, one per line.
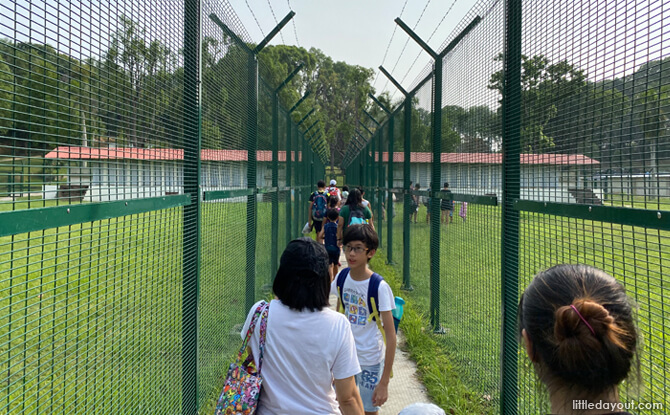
column 570, row 168
column 136, row 156
column 143, row 202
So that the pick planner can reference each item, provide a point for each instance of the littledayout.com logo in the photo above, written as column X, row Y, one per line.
column 584, row 404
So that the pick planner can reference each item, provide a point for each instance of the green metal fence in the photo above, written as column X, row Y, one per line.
column 149, row 178
column 152, row 170
column 554, row 129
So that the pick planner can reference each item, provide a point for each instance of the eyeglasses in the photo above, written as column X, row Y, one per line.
column 355, row 249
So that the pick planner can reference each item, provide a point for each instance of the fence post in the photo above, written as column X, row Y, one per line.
column 291, row 195
column 436, row 169
column 379, row 185
column 390, row 209
column 511, row 146
column 289, row 172
column 191, row 212
column 252, row 130
column 435, row 202
column 388, row 196
column 406, row 282
column 274, row 249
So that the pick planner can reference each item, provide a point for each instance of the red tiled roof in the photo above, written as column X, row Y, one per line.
column 491, row 158
column 92, row 153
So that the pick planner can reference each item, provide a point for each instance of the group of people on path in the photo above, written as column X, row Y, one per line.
column 575, row 322
column 447, row 206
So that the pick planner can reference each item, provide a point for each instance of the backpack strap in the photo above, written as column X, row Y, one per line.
column 373, row 302
column 373, row 294
column 341, row 277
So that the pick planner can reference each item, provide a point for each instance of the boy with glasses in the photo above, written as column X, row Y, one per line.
column 367, row 300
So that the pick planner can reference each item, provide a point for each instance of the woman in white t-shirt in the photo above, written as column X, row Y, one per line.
column 307, row 344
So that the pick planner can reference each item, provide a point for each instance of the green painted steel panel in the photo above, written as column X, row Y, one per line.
column 14, row 222
column 646, row 218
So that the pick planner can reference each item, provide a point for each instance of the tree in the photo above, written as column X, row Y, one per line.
column 652, row 110
column 6, row 79
column 544, row 86
column 42, row 95
column 141, row 63
column 589, row 121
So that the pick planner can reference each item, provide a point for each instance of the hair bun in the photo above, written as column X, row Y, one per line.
column 596, row 323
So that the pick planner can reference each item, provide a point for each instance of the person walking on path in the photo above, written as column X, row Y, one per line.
column 298, row 379
column 329, row 236
column 405, row 389
column 353, row 211
column 318, row 206
column 334, row 191
column 369, row 313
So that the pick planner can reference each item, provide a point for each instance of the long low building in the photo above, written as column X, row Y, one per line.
column 107, row 174
column 123, row 173
column 544, row 177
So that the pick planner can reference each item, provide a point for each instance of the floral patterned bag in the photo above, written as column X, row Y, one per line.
column 243, row 383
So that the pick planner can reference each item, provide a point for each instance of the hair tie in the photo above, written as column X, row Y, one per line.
column 583, row 319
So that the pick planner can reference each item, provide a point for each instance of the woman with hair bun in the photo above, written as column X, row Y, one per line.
column 576, row 323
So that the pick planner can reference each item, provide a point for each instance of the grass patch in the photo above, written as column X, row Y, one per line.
column 443, row 382
column 26, row 174
column 91, row 314
column 470, row 285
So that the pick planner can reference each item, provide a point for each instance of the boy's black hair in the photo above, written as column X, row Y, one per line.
column 363, row 233
column 302, row 281
column 332, row 202
column 320, row 184
column 446, row 184
column 345, row 188
column 332, row 214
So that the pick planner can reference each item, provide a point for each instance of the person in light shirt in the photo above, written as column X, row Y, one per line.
column 309, row 348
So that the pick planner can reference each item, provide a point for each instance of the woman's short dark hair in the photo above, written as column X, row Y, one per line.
column 363, row 233
column 302, row 280
column 580, row 324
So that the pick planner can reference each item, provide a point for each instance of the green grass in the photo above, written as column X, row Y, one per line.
column 25, row 174
column 90, row 315
column 470, row 289
column 442, row 380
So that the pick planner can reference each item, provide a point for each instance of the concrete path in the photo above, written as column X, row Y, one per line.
column 405, row 388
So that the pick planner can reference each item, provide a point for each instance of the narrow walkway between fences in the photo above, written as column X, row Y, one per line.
column 156, row 158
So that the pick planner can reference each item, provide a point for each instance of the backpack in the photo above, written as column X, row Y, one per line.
column 357, row 217
column 373, row 299
column 334, row 192
column 330, row 234
column 373, row 293
column 319, row 206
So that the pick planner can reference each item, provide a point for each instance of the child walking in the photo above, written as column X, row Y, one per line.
column 329, row 235
column 367, row 300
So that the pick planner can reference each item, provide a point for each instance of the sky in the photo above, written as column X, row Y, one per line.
column 606, row 39
column 359, row 32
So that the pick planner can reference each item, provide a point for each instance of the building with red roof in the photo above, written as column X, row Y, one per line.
column 122, row 173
